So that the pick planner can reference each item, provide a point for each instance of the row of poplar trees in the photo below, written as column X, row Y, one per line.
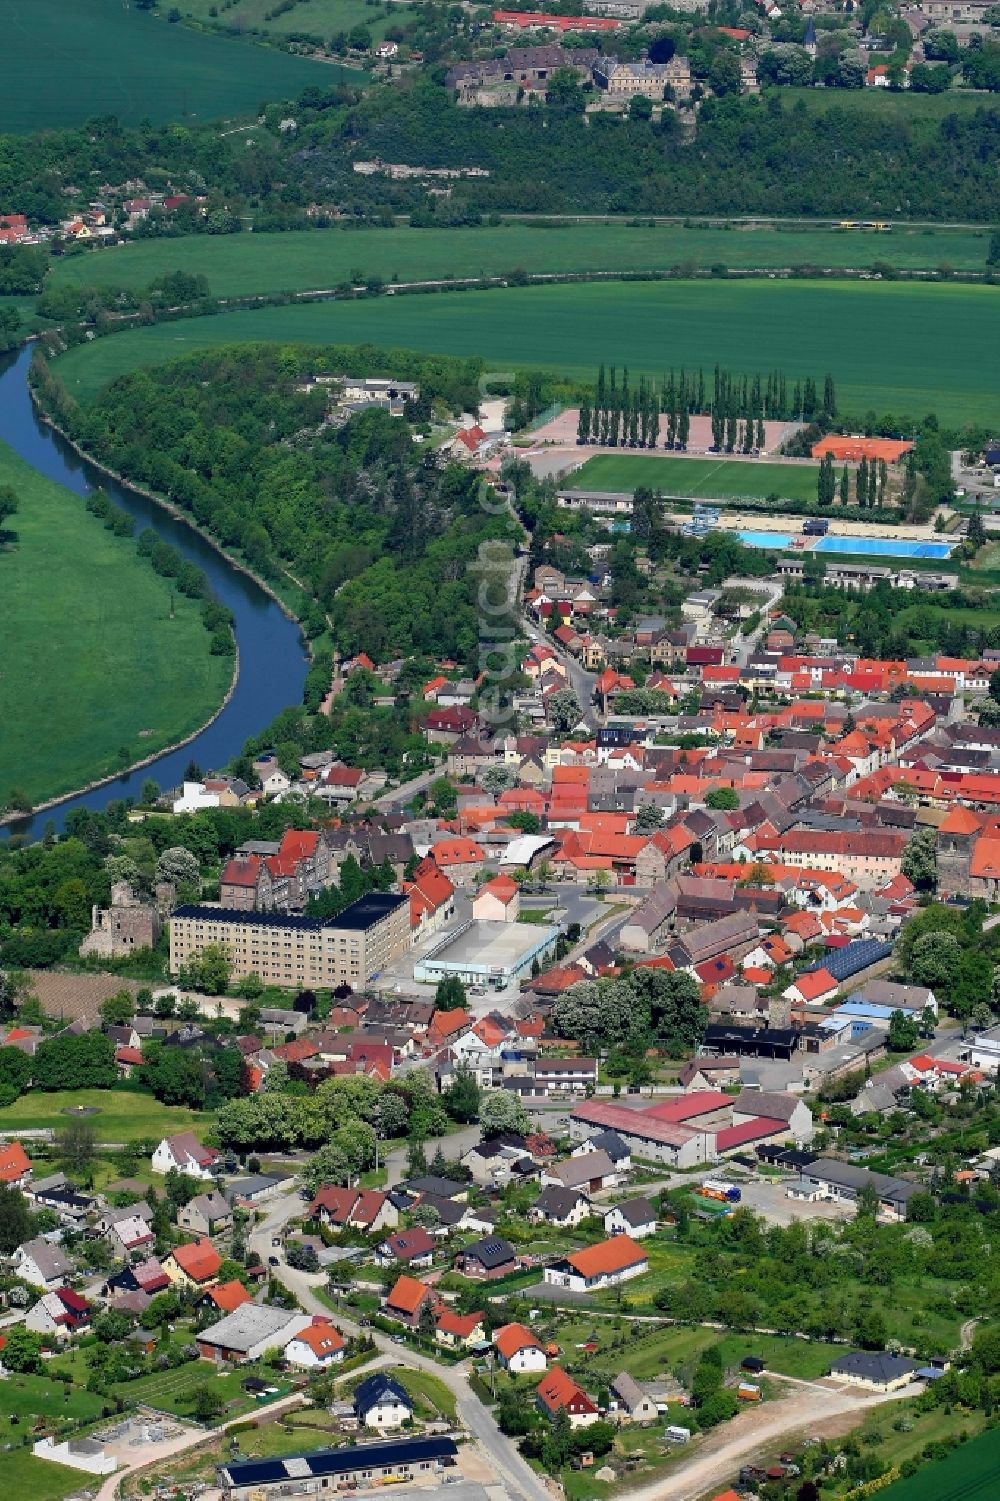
column 628, row 416
column 871, row 479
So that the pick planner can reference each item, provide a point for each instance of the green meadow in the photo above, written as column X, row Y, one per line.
column 319, row 259
column 316, row 18
column 711, row 479
column 97, row 671
column 891, row 347
column 69, row 60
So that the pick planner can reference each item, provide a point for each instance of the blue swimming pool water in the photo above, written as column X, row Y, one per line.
column 765, row 539
column 884, row 547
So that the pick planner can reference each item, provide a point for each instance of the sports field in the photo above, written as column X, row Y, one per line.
column 93, row 663
column 698, row 479
column 119, row 1114
column 892, row 347
column 67, row 60
column 969, row 1473
column 318, row 259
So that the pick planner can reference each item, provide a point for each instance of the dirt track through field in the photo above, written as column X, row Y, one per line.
column 812, row 1410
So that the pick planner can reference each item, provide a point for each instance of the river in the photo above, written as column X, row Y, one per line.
column 273, row 659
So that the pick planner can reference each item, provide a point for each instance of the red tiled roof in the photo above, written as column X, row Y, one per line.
column 407, row 1295
column 557, row 1390
column 200, row 1260
column 323, row 1339
column 514, row 1337
column 608, row 1255
column 229, row 1295
column 14, row 1162
column 736, row 1136
column 815, row 983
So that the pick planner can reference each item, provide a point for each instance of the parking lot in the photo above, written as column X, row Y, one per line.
column 770, row 1200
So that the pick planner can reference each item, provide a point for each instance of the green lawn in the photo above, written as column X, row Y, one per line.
column 874, row 338
column 248, row 264
column 68, row 60
column 966, row 1474
column 36, row 1396
column 319, row 18
column 122, row 1116
column 93, row 663
column 21, row 1474
column 173, row 1391
column 428, row 1389
column 708, row 479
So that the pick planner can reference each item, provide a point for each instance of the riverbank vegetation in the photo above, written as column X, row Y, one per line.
column 105, row 662
column 379, row 536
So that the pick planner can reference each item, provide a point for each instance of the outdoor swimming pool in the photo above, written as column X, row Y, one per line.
column 765, row 539
column 871, row 547
column 884, row 547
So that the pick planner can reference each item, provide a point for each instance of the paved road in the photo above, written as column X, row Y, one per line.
column 581, row 681
column 517, row 1475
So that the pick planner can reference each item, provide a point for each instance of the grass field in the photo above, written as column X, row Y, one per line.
column 882, row 104
column 320, row 18
column 36, row 1396
column 68, row 60
column 874, row 338
column 122, row 1116
column 173, row 1391
column 967, row 1474
column 710, row 479
column 248, row 264
column 21, row 1474
column 93, row 663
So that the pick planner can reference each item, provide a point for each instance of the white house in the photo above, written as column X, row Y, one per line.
column 193, row 797
column 185, row 1153
column 604, row 1265
column 315, row 1347
column 635, row 1217
column 42, row 1264
column 518, row 1350
column 381, row 1402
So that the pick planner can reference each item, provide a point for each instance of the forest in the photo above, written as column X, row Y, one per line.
column 371, row 526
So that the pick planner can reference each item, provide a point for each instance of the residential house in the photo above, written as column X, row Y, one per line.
column 414, row 1248
column 225, row 1297
column 557, row 1392
column 518, row 1350
column 567, row 1076
column 58, row 1314
column 380, row 1401
column 315, row 1347
column 193, row 1265
column 629, row 1402
column 498, row 900
column 458, row 1331
column 489, row 1258
column 605, row 1264
column 406, row 1299
column 874, row 1370
column 206, row 1214
column 634, row 1217
column 128, row 1230
column 42, row 1264
column 15, row 1165
column 185, row 1153
column 592, row 1172
column 561, row 1207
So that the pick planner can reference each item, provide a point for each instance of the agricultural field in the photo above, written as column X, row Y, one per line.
column 70, row 59
column 884, row 104
column 317, row 18
column 872, row 337
column 125, row 659
column 968, row 1473
column 120, row 1115
column 318, row 259
column 697, row 479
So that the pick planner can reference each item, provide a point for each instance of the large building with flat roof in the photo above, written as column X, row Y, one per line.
column 323, row 1471
column 297, row 952
column 490, row 954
